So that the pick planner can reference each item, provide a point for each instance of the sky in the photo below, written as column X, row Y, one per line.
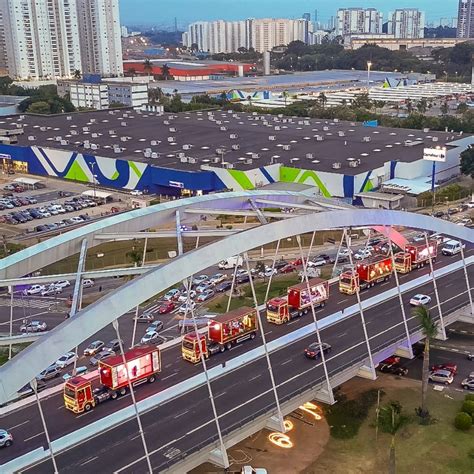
column 163, row 12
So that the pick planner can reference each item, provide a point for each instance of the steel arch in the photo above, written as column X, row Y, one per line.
column 52, row 250
column 101, row 313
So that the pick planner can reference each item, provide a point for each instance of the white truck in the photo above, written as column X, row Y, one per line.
column 452, row 247
column 231, row 262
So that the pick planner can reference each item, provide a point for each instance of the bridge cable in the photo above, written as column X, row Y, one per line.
column 467, row 280
column 137, row 308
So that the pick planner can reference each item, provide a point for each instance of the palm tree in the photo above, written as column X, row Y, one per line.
column 147, row 66
column 323, row 99
column 165, row 72
column 429, row 329
column 285, row 96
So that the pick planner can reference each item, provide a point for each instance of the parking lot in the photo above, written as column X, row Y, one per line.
column 53, row 205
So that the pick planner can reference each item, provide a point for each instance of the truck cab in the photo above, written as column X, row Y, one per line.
column 78, row 395
column 192, row 346
column 277, row 311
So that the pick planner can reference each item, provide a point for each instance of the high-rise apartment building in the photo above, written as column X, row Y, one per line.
column 261, row 34
column 100, row 33
column 352, row 21
column 39, row 38
column 406, row 23
column 466, row 19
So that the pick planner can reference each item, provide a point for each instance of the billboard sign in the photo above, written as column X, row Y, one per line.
column 176, row 184
column 435, row 154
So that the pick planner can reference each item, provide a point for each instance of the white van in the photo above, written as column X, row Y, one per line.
column 452, row 247
column 231, row 262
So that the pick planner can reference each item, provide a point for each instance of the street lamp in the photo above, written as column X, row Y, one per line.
column 369, row 65
column 94, row 176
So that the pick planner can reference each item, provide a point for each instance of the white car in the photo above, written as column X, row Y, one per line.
column 268, row 272
column 441, row 376
column 217, row 278
column 344, row 252
column 76, row 220
column 184, row 296
column 419, row 300
column 149, row 337
column 66, row 359
column 61, row 284
column 51, row 291
column 172, row 294
column 362, row 254
column 200, row 279
column 185, row 308
column 34, row 290
column 470, row 205
column 87, row 283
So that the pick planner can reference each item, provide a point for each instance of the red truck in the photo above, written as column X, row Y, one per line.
column 223, row 332
column 375, row 269
column 143, row 364
column 416, row 255
column 298, row 301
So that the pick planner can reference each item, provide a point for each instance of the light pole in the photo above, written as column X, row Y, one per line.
column 369, row 65
column 92, row 165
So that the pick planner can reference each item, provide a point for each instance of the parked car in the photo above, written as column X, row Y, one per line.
column 155, row 326
column 391, row 360
column 394, row 369
column 66, row 359
column 470, row 356
column 34, row 290
column 172, row 294
column 217, row 278
column 441, row 376
column 313, row 351
column 6, row 439
column 166, row 307
column 94, row 360
column 93, row 348
column 419, row 300
column 205, row 295
column 185, row 307
column 184, row 296
column 200, row 279
column 145, row 317
column 362, row 254
column 468, row 383
column 113, row 346
column 51, row 372
column 288, row 268
column 203, row 286
column 88, row 283
column 316, row 262
column 453, row 368
column 61, row 284
column 149, row 337
column 51, row 291
column 79, row 371
column 34, row 326
column 224, row 286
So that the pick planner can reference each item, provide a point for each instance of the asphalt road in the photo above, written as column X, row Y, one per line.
column 183, row 423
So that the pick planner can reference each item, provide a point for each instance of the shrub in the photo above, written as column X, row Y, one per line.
column 463, row 421
column 469, row 396
column 468, row 407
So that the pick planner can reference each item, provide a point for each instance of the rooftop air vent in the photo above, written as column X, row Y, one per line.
column 272, row 138
column 236, row 147
column 286, row 147
column 223, row 129
column 341, row 133
column 435, row 139
column 309, row 156
column 192, row 160
column 186, row 147
column 234, row 136
column 366, row 139
column 336, row 166
column 171, row 139
column 183, row 159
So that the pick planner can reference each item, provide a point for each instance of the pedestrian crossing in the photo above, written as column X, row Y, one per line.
column 29, row 303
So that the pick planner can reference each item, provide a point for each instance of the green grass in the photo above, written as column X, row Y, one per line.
column 434, row 449
column 280, row 283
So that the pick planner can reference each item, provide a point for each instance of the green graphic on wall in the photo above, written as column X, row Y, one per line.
column 295, row 175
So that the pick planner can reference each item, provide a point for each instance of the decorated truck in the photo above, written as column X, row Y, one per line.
column 367, row 273
column 142, row 365
column 298, row 300
column 416, row 255
column 223, row 332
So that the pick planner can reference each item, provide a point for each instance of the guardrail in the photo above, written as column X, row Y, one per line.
column 171, row 393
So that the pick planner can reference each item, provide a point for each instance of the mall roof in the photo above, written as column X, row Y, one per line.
column 188, row 141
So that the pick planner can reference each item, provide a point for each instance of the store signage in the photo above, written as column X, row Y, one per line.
column 435, row 154
column 176, row 184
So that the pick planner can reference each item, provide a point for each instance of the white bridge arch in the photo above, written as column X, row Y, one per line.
column 26, row 365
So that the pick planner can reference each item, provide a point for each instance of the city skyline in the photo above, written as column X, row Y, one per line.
column 188, row 11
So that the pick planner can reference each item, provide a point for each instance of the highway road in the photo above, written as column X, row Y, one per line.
column 236, row 398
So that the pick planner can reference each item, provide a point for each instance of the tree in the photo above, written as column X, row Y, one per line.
column 362, row 101
column 40, row 107
column 429, row 329
column 409, row 105
column 322, row 99
column 77, row 75
column 242, row 50
column 165, row 72
column 422, row 106
column 116, row 105
column 155, row 95
column 390, row 420
column 444, row 108
column 147, row 66
column 467, row 162
column 462, row 108
column 463, row 421
column 285, row 96
column 135, row 256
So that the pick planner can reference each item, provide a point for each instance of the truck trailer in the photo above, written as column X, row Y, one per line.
column 375, row 269
column 143, row 364
column 416, row 255
column 280, row 310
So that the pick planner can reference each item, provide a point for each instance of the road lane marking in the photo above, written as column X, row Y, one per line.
column 343, row 301
column 255, row 378
column 286, row 362
column 169, row 376
column 91, row 459
column 181, row 414
column 19, row 424
column 343, row 334
column 34, row 436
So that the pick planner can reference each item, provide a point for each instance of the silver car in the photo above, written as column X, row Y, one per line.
column 6, row 439
column 441, row 376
